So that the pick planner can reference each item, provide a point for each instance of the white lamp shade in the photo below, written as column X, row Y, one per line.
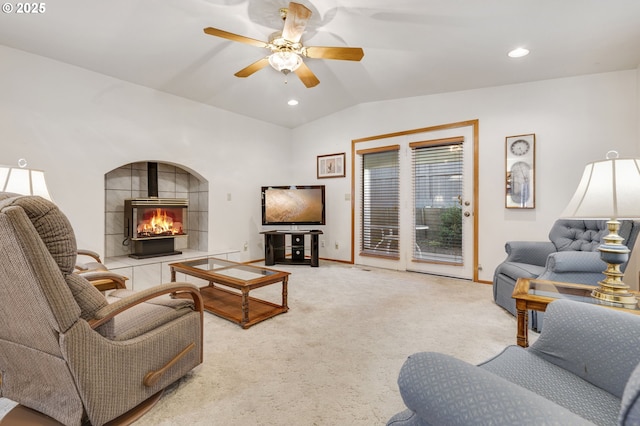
column 608, row 189
column 23, row 181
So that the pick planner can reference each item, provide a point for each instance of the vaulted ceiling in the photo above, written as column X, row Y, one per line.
column 411, row 47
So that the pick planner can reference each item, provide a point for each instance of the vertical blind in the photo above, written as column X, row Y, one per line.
column 437, row 191
column 380, row 202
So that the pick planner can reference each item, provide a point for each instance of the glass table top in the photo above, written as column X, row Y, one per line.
column 227, row 268
column 578, row 293
column 208, row 264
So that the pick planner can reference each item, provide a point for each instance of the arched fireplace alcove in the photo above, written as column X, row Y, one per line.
column 155, row 179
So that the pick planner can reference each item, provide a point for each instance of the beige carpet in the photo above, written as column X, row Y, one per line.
column 334, row 358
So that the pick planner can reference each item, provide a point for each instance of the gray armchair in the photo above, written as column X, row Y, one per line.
column 66, row 350
column 571, row 255
column 584, row 369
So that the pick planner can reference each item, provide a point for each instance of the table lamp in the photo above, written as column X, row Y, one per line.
column 609, row 189
column 22, row 180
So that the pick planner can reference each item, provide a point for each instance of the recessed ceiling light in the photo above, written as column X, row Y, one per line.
column 292, row 102
column 518, row 52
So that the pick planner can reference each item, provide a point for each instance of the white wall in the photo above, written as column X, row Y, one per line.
column 78, row 125
column 576, row 121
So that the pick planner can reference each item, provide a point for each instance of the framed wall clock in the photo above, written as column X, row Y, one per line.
column 520, row 165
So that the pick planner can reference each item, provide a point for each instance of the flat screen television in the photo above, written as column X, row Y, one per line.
column 293, row 205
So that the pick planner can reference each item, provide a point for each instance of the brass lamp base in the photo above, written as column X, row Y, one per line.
column 614, row 253
column 622, row 296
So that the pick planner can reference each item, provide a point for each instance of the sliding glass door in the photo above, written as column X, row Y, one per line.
column 380, row 212
column 438, row 170
column 414, row 205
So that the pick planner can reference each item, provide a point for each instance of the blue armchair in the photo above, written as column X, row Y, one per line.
column 584, row 369
column 571, row 255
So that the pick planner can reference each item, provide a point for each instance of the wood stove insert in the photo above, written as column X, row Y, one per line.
column 152, row 224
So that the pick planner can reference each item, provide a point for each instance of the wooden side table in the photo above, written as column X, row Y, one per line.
column 532, row 294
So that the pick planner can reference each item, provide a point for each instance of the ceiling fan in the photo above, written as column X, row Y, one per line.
column 286, row 49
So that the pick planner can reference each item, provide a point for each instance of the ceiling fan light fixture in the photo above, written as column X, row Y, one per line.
column 285, row 61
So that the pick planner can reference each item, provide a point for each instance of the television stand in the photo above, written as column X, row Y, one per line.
column 275, row 247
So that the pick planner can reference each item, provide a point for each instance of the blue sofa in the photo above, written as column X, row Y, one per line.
column 584, row 369
column 571, row 255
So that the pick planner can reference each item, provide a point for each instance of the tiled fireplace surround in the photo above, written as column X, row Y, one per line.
column 130, row 181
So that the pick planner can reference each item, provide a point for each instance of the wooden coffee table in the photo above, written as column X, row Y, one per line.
column 233, row 302
column 532, row 294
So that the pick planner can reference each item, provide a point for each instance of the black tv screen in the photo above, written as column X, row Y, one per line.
column 293, row 205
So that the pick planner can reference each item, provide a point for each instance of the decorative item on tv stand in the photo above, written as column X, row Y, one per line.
column 294, row 206
column 609, row 189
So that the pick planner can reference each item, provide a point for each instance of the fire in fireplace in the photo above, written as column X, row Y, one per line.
column 160, row 222
column 151, row 224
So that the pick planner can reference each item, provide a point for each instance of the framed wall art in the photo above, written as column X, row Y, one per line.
column 331, row 166
column 520, row 175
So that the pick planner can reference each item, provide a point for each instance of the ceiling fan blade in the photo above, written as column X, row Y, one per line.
column 341, row 53
column 254, row 67
column 307, row 76
column 234, row 37
column 296, row 21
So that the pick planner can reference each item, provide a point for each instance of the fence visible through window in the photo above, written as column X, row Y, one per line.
column 437, row 193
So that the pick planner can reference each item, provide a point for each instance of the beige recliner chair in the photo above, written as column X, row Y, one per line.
column 67, row 352
column 97, row 273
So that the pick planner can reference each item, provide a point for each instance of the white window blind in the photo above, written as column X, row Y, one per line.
column 437, row 189
column 380, row 202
